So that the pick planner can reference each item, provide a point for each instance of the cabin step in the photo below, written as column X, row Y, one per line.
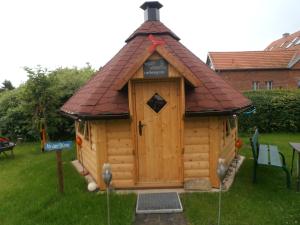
column 167, row 202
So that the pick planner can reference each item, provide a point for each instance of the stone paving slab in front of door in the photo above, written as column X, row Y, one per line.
column 160, row 219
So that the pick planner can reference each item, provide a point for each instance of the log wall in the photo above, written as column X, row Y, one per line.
column 86, row 154
column 110, row 142
column 120, row 152
column 204, row 139
column 228, row 149
column 196, row 148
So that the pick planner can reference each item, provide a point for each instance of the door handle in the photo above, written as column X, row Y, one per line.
column 141, row 128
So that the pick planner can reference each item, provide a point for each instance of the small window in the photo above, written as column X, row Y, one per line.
column 227, row 128
column 229, row 125
column 156, row 102
column 255, row 85
column 84, row 129
column 294, row 40
column 269, row 85
column 297, row 42
column 282, row 44
column 80, row 128
column 232, row 122
column 298, row 83
column 87, row 131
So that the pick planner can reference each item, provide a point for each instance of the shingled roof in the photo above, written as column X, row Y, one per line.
column 105, row 94
column 252, row 60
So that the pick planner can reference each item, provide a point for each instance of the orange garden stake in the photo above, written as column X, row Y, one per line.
column 238, row 143
column 42, row 134
column 79, row 143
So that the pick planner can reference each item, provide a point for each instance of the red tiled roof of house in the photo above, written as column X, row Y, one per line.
column 287, row 42
column 251, row 60
column 99, row 97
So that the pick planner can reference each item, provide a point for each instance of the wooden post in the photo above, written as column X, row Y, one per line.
column 60, row 171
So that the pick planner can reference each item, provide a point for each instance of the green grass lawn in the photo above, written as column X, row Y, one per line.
column 266, row 202
column 28, row 194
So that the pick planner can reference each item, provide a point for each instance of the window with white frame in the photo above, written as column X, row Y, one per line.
column 294, row 40
column 255, row 85
column 289, row 45
column 269, row 84
column 282, row 44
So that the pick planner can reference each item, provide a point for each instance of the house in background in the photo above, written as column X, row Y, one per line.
column 287, row 42
column 276, row 67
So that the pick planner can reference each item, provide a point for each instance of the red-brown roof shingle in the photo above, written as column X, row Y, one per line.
column 100, row 97
column 152, row 27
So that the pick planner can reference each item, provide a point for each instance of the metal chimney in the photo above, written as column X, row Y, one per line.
column 151, row 10
column 285, row 35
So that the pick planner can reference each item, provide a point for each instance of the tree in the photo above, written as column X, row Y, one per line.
column 13, row 119
column 6, row 86
column 68, row 81
column 39, row 99
column 40, row 96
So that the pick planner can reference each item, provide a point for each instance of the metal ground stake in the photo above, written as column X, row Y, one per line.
column 107, row 176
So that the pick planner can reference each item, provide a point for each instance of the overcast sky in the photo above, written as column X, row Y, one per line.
column 54, row 33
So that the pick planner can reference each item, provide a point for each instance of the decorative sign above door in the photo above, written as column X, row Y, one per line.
column 155, row 68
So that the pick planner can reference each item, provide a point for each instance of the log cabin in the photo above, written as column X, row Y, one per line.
column 158, row 114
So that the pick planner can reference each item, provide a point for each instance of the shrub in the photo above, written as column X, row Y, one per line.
column 276, row 111
column 39, row 99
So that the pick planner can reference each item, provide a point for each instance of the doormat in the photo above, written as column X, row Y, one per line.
column 167, row 202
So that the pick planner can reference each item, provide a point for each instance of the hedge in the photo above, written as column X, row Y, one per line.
column 276, row 111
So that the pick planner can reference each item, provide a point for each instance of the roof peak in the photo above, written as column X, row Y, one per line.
column 152, row 27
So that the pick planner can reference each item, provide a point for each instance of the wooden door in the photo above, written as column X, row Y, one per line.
column 157, row 119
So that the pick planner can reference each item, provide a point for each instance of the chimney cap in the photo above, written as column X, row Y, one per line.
column 285, row 34
column 152, row 4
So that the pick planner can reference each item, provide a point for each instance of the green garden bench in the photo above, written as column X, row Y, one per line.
column 267, row 155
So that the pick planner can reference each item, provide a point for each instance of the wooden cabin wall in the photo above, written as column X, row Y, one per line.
column 201, row 151
column 205, row 141
column 196, row 149
column 228, row 140
column 86, row 153
column 115, row 146
column 120, row 152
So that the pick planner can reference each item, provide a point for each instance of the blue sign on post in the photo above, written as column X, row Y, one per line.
column 59, row 145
